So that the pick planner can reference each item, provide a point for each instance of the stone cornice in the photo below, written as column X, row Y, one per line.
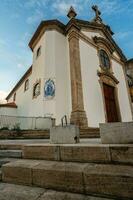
column 78, row 24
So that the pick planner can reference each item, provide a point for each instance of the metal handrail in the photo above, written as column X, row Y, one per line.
column 62, row 120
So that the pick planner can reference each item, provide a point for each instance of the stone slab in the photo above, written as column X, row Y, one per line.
column 117, row 133
column 112, row 180
column 85, row 153
column 0, row 175
column 64, row 135
column 54, row 195
column 6, row 160
column 122, row 154
column 85, row 178
column 98, row 153
column 20, row 192
column 19, row 172
column 10, row 153
column 67, row 153
column 46, row 152
column 59, row 176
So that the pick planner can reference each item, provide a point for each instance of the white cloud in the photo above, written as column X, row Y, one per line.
column 20, row 65
column 62, row 7
column 123, row 35
column 36, row 17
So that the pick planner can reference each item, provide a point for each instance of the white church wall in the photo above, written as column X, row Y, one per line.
column 23, row 98
column 63, row 88
column 57, row 68
column 92, row 94
column 8, row 111
column 49, row 72
column 36, row 104
column 123, row 99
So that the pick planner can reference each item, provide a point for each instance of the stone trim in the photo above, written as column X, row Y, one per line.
column 111, row 81
column 78, row 115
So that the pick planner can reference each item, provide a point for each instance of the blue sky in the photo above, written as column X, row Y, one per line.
column 20, row 18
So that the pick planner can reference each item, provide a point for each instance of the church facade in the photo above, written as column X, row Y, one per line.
column 78, row 70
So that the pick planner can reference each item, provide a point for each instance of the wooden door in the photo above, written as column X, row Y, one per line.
column 110, row 103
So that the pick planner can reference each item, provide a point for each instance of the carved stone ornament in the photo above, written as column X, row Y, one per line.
column 71, row 13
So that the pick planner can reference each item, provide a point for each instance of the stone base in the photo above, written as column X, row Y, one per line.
column 64, row 135
column 117, row 133
column 79, row 118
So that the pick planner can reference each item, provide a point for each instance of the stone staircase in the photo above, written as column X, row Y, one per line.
column 45, row 134
column 90, row 133
column 99, row 170
column 7, row 154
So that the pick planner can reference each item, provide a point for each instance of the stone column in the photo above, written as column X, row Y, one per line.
column 78, row 115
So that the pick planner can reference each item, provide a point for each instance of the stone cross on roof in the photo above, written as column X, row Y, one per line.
column 97, row 14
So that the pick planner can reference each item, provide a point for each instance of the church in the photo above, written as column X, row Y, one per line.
column 78, row 70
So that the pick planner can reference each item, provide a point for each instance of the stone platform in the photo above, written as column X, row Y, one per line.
column 88, row 168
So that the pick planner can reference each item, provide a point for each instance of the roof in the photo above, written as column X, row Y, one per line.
column 9, row 105
column 49, row 24
column 57, row 25
column 130, row 61
column 19, row 82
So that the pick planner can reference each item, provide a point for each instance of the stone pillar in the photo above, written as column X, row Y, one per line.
column 78, row 115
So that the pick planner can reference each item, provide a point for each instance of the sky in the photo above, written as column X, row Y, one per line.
column 20, row 18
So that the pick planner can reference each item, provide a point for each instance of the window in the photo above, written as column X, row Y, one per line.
column 26, row 85
column 104, row 59
column 38, row 53
column 14, row 97
column 36, row 90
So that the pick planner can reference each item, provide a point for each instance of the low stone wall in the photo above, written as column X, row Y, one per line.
column 24, row 134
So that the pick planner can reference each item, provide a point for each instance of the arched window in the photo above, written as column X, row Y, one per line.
column 38, row 53
column 104, row 59
column 36, row 90
column 26, row 85
column 14, row 97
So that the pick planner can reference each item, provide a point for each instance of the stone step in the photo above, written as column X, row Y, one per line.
column 0, row 175
column 6, row 160
column 105, row 180
column 17, row 192
column 98, row 153
column 24, row 134
column 10, row 146
column 90, row 133
column 10, row 153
